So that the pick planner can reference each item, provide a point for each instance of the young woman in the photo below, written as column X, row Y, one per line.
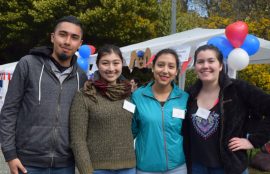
column 100, row 129
column 215, row 132
column 157, row 122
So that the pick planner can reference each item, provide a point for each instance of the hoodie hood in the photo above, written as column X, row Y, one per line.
column 42, row 51
column 45, row 51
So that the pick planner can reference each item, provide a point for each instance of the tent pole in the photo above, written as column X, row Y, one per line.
column 173, row 17
column 182, row 80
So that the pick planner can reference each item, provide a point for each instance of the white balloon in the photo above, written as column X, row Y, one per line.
column 238, row 59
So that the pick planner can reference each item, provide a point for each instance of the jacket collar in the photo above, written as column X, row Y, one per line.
column 224, row 81
column 175, row 93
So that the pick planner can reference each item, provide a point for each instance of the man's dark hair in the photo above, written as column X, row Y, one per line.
column 70, row 19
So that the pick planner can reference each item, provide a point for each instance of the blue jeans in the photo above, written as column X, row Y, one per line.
column 51, row 170
column 198, row 168
column 118, row 171
column 179, row 170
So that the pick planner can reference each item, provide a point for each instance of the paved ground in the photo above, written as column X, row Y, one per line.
column 3, row 166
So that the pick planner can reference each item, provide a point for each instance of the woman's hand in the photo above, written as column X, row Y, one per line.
column 239, row 144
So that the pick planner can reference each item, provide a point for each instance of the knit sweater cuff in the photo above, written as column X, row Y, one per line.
column 85, row 169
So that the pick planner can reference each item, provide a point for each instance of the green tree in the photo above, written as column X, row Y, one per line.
column 259, row 75
column 184, row 20
column 254, row 12
column 191, row 77
column 120, row 21
column 25, row 24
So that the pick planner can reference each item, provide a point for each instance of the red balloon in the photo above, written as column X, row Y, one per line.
column 93, row 49
column 236, row 33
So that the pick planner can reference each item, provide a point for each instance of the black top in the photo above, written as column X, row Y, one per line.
column 60, row 67
column 162, row 103
column 204, row 137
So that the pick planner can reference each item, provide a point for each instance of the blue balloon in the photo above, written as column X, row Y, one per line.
column 85, row 51
column 83, row 63
column 251, row 44
column 140, row 53
column 222, row 44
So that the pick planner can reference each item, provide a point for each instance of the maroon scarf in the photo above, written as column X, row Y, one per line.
column 114, row 92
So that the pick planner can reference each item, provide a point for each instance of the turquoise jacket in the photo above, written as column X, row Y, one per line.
column 159, row 143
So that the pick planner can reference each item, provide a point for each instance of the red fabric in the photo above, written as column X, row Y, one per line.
column 185, row 65
column 267, row 147
column 216, row 102
column 101, row 86
column 2, row 76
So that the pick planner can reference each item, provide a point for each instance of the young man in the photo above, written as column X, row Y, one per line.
column 134, row 82
column 34, row 122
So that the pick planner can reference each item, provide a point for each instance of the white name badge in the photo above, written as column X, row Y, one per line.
column 203, row 113
column 129, row 106
column 178, row 113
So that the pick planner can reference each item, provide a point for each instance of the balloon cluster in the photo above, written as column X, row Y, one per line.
column 83, row 54
column 237, row 46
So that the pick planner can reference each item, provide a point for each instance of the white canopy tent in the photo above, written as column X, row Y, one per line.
column 8, row 68
column 191, row 38
column 6, row 72
column 194, row 38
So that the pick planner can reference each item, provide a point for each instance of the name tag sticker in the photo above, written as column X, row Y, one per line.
column 178, row 113
column 129, row 106
column 203, row 113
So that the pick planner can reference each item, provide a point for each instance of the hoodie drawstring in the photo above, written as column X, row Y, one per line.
column 39, row 84
column 78, row 80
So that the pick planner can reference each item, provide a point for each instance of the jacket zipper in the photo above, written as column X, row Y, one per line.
column 164, row 137
column 57, row 116
column 56, row 124
column 163, row 128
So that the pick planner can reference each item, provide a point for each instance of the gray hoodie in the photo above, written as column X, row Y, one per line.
column 34, row 121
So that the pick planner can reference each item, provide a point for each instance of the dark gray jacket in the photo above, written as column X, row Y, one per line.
column 34, row 121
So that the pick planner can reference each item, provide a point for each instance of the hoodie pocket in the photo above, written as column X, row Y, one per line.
column 36, row 141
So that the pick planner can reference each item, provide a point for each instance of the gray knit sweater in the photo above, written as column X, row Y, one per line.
column 101, row 135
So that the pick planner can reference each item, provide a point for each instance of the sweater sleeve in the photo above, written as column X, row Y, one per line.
column 11, row 108
column 258, row 103
column 78, row 133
